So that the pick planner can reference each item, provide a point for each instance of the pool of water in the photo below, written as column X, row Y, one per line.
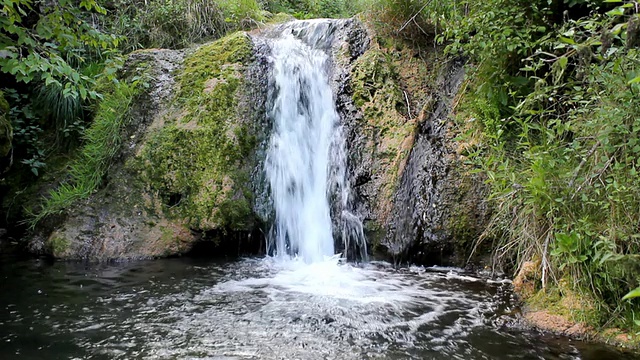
column 263, row 309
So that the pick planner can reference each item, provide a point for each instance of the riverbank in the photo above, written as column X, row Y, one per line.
column 562, row 311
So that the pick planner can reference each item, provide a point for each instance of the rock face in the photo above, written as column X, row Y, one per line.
column 191, row 166
column 419, row 200
column 439, row 207
column 185, row 166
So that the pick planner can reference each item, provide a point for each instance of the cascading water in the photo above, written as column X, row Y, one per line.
column 306, row 158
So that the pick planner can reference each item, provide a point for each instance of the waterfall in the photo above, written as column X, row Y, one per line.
column 306, row 158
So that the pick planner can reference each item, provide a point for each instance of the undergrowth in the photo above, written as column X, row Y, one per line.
column 102, row 142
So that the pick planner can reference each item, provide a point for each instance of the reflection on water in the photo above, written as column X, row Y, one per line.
column 262, row 309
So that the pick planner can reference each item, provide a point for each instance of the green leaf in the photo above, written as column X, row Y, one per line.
column 563, row 61
column 632, row 294
column 567, row 40
column 634, row 80
column 618, row 28
column 619, row 11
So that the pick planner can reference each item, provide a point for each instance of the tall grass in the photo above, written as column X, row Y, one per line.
column 62, row 112
column 179, row 23
column 102, row 142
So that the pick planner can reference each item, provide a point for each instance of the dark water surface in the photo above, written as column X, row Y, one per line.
column 262, row 309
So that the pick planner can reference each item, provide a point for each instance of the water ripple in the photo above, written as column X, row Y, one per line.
column 264, row 309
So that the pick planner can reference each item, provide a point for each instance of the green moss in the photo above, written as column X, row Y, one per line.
column 376, row 91
column 464, row 230
column 211, row 61
column 167, row 237
column 196, row 160
column 279, row 18
column 58, row 245
column 562, row 299
column 4, row 105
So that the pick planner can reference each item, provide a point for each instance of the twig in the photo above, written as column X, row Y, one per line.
column 414, row 16
column 545, row 261
column 408, row 107
column 583, row 162
column 420, row 27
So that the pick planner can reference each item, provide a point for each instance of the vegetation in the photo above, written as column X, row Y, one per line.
column 102, row 142
column 551, row 108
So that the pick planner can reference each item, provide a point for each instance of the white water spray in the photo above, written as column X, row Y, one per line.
column 306, row 161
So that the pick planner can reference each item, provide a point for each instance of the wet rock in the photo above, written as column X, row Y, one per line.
column 419, row 201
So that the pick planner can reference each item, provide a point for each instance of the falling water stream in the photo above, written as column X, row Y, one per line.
column 303, row 302
column 306, row 159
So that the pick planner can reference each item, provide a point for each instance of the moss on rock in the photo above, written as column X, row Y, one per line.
column 387, row 126
column 279, row 18
column 196, row 160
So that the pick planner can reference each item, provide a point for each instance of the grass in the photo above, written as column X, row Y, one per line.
column 102, row 142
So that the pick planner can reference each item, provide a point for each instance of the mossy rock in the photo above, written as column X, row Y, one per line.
column 184, row 165
column 389, row 131
column 196, row 160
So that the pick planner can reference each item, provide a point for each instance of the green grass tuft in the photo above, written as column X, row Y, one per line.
column 102, row 142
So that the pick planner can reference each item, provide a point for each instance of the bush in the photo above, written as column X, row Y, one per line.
column 555, row 98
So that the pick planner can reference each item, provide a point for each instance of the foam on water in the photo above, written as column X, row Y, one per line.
column 329, row 279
